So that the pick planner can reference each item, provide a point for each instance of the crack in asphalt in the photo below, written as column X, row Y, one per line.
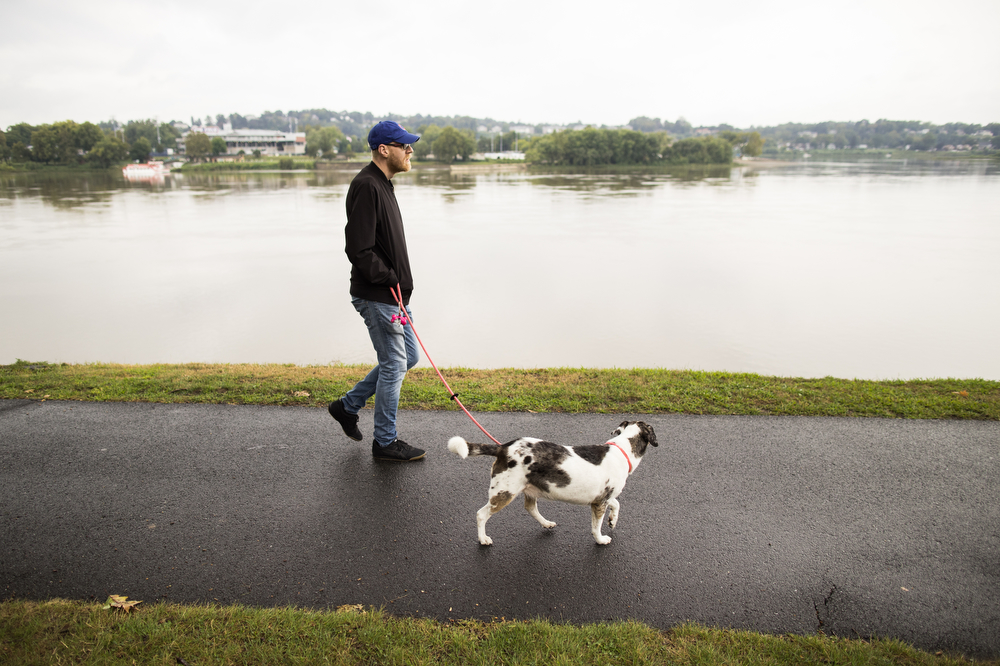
column 826, row 608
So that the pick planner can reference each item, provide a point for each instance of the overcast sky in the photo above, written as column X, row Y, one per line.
column 740, row 62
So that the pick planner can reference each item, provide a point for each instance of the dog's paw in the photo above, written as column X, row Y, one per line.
column 486, row 541
column 548, row 524
column 603, row 539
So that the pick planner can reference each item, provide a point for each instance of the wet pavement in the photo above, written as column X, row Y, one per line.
column 853, row 527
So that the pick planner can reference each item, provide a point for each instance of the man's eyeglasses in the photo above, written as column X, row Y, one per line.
column 404, row 146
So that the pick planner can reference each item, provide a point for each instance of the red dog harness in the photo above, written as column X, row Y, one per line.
column 629, row 460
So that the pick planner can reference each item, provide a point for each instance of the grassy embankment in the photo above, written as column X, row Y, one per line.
column 568, row 390
column 874, row 154
column 58, row 632
column 20, row 167
column 266, row 164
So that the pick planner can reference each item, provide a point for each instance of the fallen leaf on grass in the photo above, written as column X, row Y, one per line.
column 964, row 394
column 301, row 394
column 351, row 608
column 118, row 601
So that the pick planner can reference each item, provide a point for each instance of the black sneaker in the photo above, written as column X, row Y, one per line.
column 349, row 422
column 398, row 450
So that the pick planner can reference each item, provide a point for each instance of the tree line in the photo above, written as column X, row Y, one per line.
column 882, row 134
column 592, row 147
column 447, row 138
column 71, row 143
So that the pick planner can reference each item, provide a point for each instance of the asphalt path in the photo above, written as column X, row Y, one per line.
column 853, row 527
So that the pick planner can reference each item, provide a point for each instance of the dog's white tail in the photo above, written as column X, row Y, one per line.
column 464, row 449
column 459, row 446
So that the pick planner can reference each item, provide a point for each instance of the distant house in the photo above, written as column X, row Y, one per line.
column 268, row 142
column 505, row 155
column 522, row 129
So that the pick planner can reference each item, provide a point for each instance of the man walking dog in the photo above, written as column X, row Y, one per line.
column 376, row 247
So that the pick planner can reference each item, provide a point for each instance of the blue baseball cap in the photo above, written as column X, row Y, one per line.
column 388, row 131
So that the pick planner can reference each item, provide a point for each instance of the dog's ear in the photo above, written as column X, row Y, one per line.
column 623, row 424
column 647, row 433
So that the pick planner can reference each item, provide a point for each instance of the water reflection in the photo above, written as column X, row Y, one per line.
column 253, row 181
column 792, row 270
column 902, row 168
column 61, row 189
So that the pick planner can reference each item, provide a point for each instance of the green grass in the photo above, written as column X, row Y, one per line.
column 59, row 632
column 566, row 390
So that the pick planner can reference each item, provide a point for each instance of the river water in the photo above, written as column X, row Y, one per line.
column 867, row 270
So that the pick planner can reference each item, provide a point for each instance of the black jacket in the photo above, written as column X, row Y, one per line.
column 376, row 245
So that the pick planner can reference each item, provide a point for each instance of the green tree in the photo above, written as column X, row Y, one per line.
column 321, row 141
column 107, row 152
column 20, row 152
column 754, row 145
column 4, row 148
column 750, row 144
column 597, row 146
column 995, row 129
column 87, row 136
column 20, row 133
column 140, row 128
column 160, row 136
column 925, row 142
column 345, row 147
column 428, row 135
column 197, row 145
column 168, row 137
column 217, row 146
column 644, row 124
column 56, row 143
column 701, row 150
column 140, row 149
column 452, row 143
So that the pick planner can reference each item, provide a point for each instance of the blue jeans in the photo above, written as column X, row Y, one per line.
column 396, row 350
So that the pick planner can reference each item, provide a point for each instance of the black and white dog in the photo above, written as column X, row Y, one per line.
column 593, row 474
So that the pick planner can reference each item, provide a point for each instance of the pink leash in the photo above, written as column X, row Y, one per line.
column 627, row 459
column 404, row 320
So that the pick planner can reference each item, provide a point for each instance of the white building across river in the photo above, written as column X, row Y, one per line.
column 268, row 142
